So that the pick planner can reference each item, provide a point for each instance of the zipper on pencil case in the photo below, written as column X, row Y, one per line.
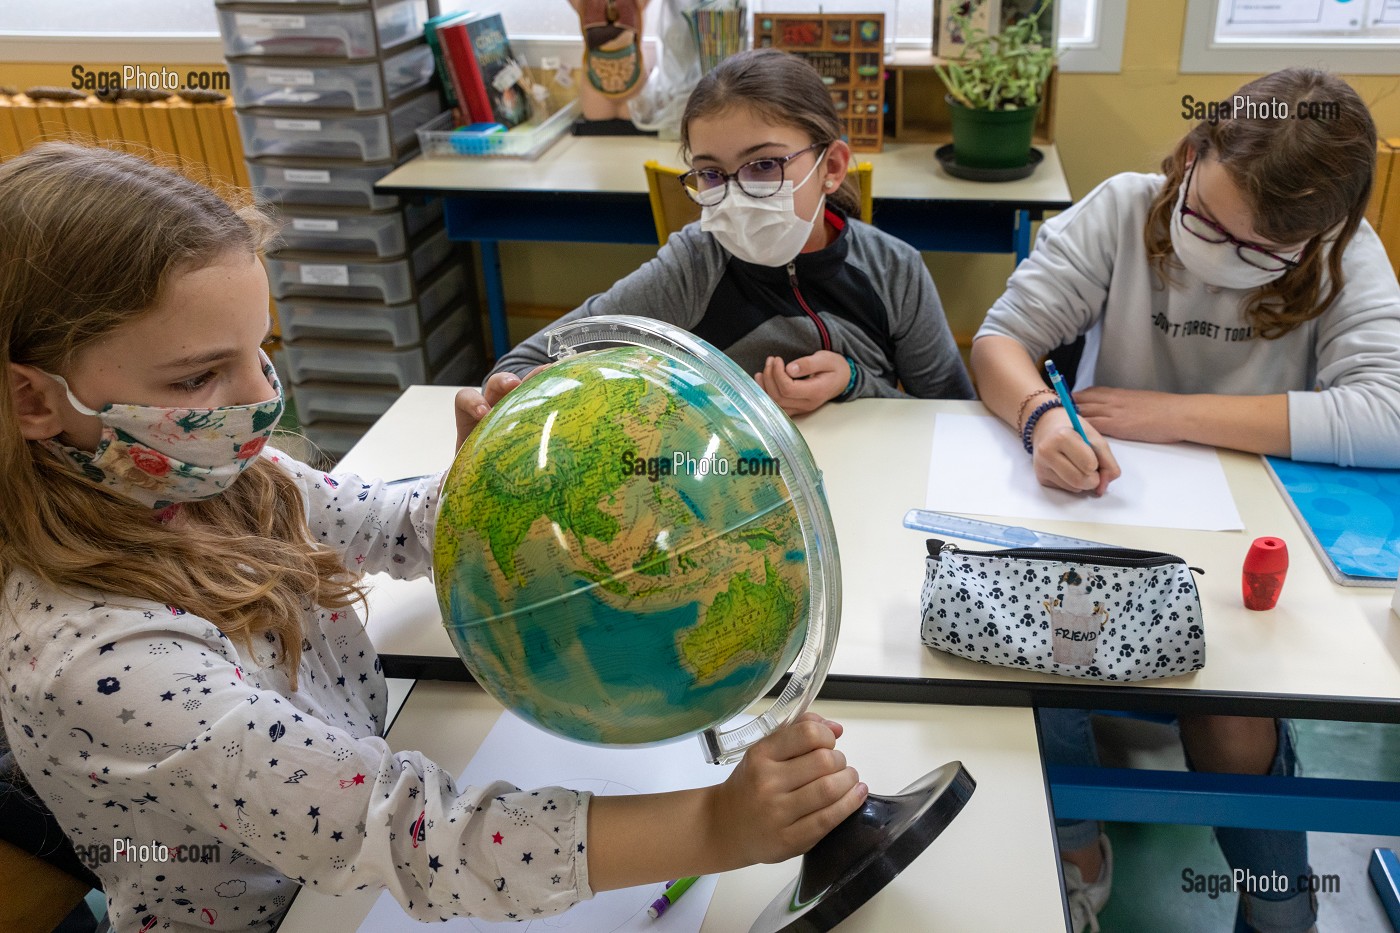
column 1109, row 557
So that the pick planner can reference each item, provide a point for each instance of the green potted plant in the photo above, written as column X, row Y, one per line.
column 995, row 89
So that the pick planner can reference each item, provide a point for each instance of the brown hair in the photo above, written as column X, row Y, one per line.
column 1301, row 178
column 782, row 88
column 89, row 237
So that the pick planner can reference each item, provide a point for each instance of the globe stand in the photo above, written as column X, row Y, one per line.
column 865, row 852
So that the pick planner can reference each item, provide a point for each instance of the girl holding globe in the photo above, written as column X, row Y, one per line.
column 777, row 273
column 183, row 657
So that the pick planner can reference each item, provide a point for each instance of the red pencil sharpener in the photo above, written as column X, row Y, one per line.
column 1265, row 566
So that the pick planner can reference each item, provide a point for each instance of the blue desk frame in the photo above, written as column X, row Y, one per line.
column 488, row 217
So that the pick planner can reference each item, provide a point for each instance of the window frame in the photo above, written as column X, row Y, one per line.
column 1202, row 53
column 1104, row 53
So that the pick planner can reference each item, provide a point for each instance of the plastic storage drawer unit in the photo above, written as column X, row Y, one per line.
column 398, row 325
column 299, row 82
column 362, row 364
column 338, row 401
column 330, row 134
column 274, row 29
column 328, row 183
column 342, row 230
column 329, row 275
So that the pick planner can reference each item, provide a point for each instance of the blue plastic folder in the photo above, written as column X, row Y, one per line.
column 1351, row 515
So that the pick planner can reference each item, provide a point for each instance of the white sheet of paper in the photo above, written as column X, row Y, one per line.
column 978, row 467
column 528, row 757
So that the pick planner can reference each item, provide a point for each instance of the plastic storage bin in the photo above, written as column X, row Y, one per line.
column 398, row 325
column 526, row 141
column 290, row 5
column 329, row 183
column 302, row 82
column 330, row 134
column 347, row 404
column 345, row 230
column 329, row 275
column 362, row 364
column 275, row 29
column 334, row 438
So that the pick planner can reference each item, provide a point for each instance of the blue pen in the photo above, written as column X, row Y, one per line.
column 1058, row 382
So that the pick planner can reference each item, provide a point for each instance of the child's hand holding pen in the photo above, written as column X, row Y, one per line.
column 1069, row 453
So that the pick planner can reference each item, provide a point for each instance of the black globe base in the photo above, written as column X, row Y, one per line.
column 853, row 862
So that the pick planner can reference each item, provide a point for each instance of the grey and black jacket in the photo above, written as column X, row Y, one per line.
column 867, row 296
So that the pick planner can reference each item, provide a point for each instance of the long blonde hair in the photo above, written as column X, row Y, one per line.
column 89, row 237
column 1303, row 178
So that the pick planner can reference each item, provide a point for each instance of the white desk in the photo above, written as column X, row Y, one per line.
column 994, row 868
column 593, row 190
column 590, row 164
column 1327, row 651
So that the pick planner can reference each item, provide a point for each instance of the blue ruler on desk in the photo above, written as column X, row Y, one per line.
column 973, row 529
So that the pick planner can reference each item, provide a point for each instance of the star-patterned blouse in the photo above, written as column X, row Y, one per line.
column 142, row 725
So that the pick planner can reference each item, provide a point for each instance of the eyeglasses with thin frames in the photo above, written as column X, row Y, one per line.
column 761, row 178
column 1210, row 231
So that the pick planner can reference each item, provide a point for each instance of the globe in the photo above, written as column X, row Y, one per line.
column 633, row 546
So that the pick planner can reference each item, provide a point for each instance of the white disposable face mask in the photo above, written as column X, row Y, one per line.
column 1215, row 264
column 763, row 231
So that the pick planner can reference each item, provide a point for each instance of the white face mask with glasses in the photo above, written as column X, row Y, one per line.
column 1217, row 258
column 755, row 218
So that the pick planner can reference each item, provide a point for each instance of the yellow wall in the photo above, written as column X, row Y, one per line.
column 60, row 74
column 1106, row 123
column 1110, row 123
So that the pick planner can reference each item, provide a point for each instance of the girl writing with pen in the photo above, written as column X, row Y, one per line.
column 1238, row 299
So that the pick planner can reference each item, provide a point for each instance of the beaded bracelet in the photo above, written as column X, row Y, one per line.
column 1021, row 412
column 851, row 385
column 1029, row 429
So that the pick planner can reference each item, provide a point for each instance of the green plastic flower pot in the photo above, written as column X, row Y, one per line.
column 991, row 138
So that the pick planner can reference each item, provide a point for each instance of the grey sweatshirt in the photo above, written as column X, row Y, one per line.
column 1089, row 274
column 867, row 296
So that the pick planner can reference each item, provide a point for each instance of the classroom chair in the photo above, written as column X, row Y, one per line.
column 672, row 208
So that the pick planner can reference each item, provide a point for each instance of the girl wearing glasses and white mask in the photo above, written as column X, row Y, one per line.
column 777, row 272
column 1239, row 299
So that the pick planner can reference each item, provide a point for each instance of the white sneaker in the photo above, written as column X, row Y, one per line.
column 1086, row 899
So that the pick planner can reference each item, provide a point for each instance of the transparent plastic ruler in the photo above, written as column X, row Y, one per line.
column 973, row 529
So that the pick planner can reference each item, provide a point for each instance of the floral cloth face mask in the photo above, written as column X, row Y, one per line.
column 160, row 456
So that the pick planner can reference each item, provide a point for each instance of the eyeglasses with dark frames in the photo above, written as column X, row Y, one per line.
column 1210, row 231
column 761, row 178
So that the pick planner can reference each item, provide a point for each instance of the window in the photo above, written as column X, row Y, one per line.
column 1090, row 31
column 110, row 17
column 1091, row 34
column 111, row 31
column 1255, row 36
